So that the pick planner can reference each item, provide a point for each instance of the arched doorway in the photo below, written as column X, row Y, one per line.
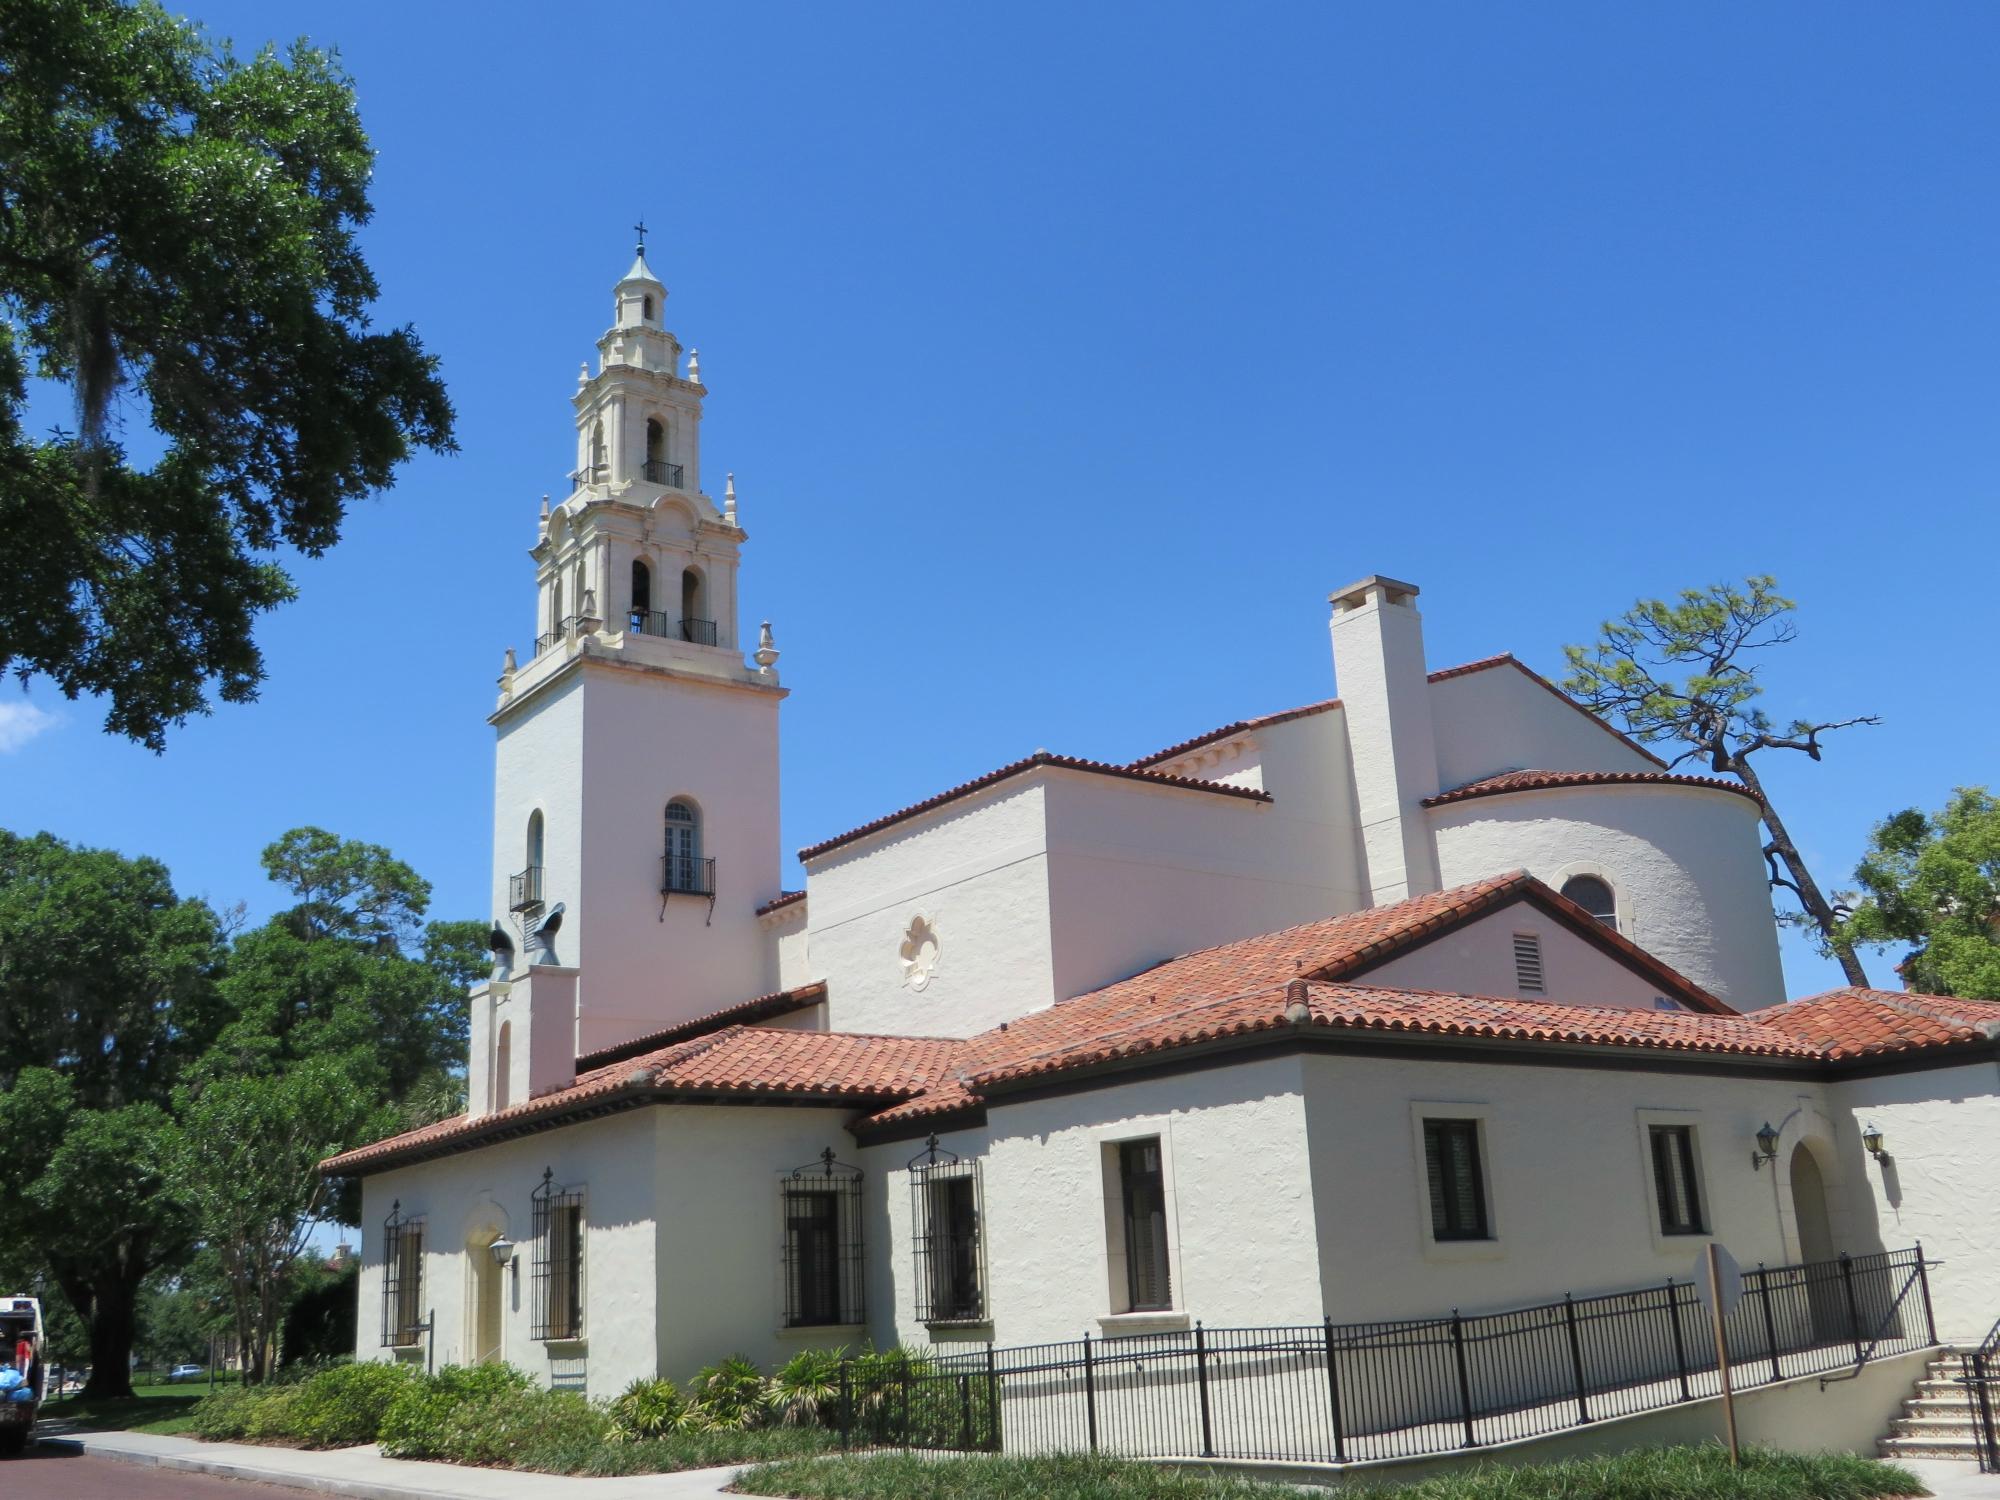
column 1823, row 1291
column 487, row 1295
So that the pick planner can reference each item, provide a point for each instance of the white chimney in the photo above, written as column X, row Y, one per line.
column 1379, row 672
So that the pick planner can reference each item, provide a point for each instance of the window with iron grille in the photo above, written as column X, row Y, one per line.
column 1674, row 1181
column 822, row 1243
column 1149, row 1282
column 402, row 1277
column 1457, row 1183
column 558, row 1270
column 947, row 1234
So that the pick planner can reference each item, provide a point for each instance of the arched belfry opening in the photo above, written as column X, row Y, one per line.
column 696, row 624
column 642, row 596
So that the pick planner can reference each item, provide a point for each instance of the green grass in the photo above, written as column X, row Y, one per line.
column 163, row 1409
column 1644, row 1474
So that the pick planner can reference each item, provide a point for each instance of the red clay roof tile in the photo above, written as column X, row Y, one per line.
column 1853, row 1022
column 743, row 1013
column 1536, row 781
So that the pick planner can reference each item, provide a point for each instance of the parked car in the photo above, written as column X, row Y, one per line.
column 185, row 1372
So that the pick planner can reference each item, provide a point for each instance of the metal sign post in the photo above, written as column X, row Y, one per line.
column 1719, row 1283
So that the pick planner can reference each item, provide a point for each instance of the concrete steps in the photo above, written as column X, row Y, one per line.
column 1937, row 1420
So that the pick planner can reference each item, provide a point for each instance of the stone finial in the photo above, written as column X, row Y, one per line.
column 729, row 499
column 694, row 366
column 507, row 670
column 766, row 654
column 588, row 621
column 583, row 374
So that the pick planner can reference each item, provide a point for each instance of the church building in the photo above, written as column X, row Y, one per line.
column 1435, row 994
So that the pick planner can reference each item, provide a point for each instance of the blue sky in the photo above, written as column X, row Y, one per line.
column 1067, row 356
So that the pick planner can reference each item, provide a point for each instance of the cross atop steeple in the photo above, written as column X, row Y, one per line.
column 640, row 227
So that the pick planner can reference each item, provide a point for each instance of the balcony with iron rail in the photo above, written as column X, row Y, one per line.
column 659, row 471
column 549, row 639
column 668, row 627
column 686, row 875
column 524, row 891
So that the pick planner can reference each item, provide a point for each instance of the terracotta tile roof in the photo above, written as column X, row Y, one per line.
column 1015, row 768
column 781, row 901
column 1854, row 1023
column 1534, row 781
column 740, row 1062
column 1334, row 948
column 743, row 1013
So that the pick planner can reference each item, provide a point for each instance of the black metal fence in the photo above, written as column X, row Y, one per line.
column 1982, row 1390
column 1333, row 1393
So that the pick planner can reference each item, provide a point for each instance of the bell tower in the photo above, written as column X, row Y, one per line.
column 636, row 773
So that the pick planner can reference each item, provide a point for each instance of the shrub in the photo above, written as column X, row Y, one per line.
column 422, row 1416
column 532, row 1429
column 729, row 1395
column 807, row 1388
column 649, row 1409
column 270, row 1418
column 344, row 1405
column 224, row 1416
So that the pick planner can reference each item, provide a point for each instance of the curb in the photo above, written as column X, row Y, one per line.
column 223, row 1468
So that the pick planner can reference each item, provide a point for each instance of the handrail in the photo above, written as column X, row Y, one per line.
column 1882, row 1324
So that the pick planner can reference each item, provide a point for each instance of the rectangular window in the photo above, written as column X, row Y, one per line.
column 1149, row 1282
column 822, row 1244
column 1674, row 1182
column 402, row 1280
column 558, row 1250
column 1528, row 963
column 1457, row 1185
column 948, row 1239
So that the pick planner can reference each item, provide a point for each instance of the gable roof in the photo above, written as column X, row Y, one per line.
column 1029, row 763
column 1465, row 669
column 753, row 1064
column 1537, row 781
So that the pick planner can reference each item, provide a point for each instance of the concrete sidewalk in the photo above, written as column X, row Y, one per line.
column 367, row 1475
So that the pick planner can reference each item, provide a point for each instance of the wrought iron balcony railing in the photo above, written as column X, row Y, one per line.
column 659, row 471
column 592, row 474
column 565, row 628
column 524, row 891
column 683, row 875
column 667, row 628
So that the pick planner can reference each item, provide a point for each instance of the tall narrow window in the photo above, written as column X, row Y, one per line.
column 695, row 626
column 947, row 1238
column 525, row 889
column 822, row 1244
column 558, row 1232
column 1528, row 963
column 1595, row 897
column 642, row 598
column 1149, row 1281
column 1457, row 1183
column 402, row 1278
column 503, row 1064
column 646, row 303
column 1674, row 1183
column 685, row 867
column 596, row 451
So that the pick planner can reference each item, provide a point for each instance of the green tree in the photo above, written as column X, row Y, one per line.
column 107, row 994
column 246, row 1161
column 352, row 970
column 177, row 232
column 1932, row 880
column 1685, row 675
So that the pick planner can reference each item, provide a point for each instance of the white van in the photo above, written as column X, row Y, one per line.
column 19, row 1315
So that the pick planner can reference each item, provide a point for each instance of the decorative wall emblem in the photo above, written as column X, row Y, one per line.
column 919, row 952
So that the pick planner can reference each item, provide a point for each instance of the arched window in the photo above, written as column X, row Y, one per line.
column 642, row 596
column 1595, row 897
column 535, row 839
column 596, row 451
column 695, row 624
column 647, row 303
column 503, row 1059
column 684, row 867
column 656, row 441
column 555, row 605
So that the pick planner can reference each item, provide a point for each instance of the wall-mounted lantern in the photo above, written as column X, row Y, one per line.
column 1767, row 1146
column 1872, row 1138
column 503, row 1255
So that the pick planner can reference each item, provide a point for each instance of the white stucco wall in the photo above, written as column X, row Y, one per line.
column 466, row 1200
column 1478, row 959
column 648, row 739
column 1685, row 864
column 1500, row 719
column 1940, row 1182
column 1569, row 1180
column 977, row 871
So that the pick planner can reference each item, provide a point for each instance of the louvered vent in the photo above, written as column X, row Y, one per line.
column 1528, row 963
